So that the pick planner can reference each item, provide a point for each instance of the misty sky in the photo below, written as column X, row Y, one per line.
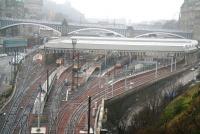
column 134, row 10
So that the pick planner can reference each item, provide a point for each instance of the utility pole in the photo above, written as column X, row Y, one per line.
column 16, row 58
column 89, row 104
column 126, row 77
column 130, row 58
column 100, row 78
column 74, row 41
column 171, row 64
column 105, row 58
column 156, row 73
column 67, row 94
column 112, row 86
column 175, row 64
column 77, row 70
column 106, row 87
column 100, row 82
column 47, row 81
column 45, row 53
column 39, row 110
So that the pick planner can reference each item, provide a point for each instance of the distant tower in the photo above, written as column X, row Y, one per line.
column 64, row 27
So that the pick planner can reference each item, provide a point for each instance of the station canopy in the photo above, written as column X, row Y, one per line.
column 124, row 44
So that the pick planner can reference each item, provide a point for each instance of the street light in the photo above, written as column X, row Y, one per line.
column 74, row 42
column 40, row 91
column 89, row 105
column 126, row 77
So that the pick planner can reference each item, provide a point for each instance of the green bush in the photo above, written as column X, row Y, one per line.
column 5, row 95
column 50, row 59
column 8, row 92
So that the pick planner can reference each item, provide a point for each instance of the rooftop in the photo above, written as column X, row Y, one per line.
column 124, row 44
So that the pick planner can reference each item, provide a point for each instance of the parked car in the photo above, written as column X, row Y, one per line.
column 192, row 69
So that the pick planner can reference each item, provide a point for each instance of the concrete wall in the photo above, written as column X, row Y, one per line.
column 120, row 106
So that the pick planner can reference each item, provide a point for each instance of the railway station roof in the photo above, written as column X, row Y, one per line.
column 124, row 44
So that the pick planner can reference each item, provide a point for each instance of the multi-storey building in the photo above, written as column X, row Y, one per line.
column 33, row 9
column 29, row 9
column 12, row 8
column 190, row 17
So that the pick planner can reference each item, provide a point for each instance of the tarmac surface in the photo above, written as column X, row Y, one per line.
column 5, row 73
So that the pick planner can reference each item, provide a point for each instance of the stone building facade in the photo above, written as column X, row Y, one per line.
column 33, row 9
column 12, row 8
column 28, row 9
column 190, row 17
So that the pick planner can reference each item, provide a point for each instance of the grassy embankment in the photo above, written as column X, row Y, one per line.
column 5, row 95
column 181, row 116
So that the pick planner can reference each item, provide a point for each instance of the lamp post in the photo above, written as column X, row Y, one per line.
column 172, row 62
column 39, row 110
column 89, row 105
column 126, row 77
column 156, row 72
column 112, row 86
column 175, row 64
column 105, row 58
column 74, row 42
column 106, row 87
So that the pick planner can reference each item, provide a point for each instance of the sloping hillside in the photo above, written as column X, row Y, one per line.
column 181, row 116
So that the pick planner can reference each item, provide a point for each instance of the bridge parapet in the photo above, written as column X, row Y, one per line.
column 99, row 118
column 30, row 21
column 119, row 26
column 4, row 21
column 72, row 26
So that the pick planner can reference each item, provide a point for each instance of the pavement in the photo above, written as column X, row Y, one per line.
column 5, row 73
column 5, row 70
column 191, row 75
column 24, row 96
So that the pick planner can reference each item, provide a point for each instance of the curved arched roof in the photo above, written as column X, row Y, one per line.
column 95, row 29
column 35, row 24
column 160, row 35
column 125, row 44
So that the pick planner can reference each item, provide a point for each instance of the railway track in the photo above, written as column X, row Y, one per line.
column 55, row 101
column 14, row 107
column 72, row 111
column 119, row 87
column 21, row 103
column 27, row 104
column 73, row 103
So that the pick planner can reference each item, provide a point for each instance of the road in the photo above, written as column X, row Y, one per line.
column 5, row 73
column 191, row 75
column 5, row 69
column 20, row 106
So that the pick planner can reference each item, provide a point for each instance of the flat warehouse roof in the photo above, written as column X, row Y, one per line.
column 124, row 44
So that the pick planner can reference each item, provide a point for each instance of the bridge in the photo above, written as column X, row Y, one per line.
column 66, row 28
column 59, row 26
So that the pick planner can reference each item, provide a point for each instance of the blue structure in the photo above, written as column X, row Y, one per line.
column 11, row 44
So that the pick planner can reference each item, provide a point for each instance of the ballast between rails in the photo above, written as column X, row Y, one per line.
column 44, row 93
column 75, row 117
